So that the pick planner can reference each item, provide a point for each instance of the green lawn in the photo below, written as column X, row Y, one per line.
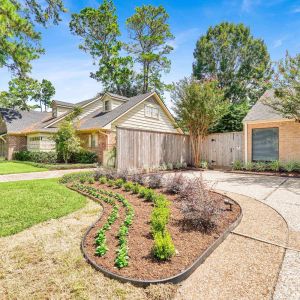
column 7, row 167
column 25, row 203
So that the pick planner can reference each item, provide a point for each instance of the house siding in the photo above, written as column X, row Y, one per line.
column 136, row 118
column 289, row 139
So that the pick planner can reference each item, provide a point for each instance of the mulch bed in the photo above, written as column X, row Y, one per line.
column 189, row 244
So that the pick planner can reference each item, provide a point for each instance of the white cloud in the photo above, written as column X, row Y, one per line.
column 277, row 43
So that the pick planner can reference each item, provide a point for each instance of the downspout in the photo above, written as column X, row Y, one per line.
column 246, row 141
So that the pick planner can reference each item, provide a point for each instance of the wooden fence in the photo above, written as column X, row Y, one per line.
column 139, row 149
column 222, row 149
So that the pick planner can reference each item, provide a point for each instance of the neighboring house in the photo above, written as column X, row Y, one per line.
column 96, row 125
column 268, row 136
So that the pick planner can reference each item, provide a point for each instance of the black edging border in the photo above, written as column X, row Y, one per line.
column 174, row 279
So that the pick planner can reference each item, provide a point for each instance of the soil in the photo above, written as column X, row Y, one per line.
column 189, row 244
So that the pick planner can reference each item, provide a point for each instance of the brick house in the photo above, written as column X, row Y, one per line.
column 268, row 136
column 96, row 125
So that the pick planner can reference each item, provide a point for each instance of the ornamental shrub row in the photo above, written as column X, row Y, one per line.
column 274, row 166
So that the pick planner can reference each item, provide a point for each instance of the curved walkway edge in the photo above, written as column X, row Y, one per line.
column 40, row 175
column 242, row 267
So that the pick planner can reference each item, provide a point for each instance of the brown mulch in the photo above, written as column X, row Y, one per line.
column 189, row 244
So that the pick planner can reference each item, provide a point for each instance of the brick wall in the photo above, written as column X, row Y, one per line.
column 105, row 142
column 15, row 143
column 289, row 139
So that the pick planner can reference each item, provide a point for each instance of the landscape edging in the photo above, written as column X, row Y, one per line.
column 174, row 279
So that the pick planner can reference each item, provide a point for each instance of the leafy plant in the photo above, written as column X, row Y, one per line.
column 159, row 219
column 103, row 180
column 163, row 248
column 155, row 181
column 274, row 166
column 291, row 166
column 91, row 180
column 101, row 250
column 128, row 186
column 174, row 184
column 149, row 195
column 119, row 183
column 238, row 165
column 170, row 166
column 260, row 166
column 110, row 182
column 249, row 166
column 138, row 178
column 136, row 188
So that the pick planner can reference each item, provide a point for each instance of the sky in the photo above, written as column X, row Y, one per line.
column 277, row 22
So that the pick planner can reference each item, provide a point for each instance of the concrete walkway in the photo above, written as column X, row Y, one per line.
column 40, row 175
column 268, row 193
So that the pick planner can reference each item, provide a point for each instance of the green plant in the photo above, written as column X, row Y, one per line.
column 149, row 195
column 136, row 188
column 84, row 157
column 178, row 166
column 170, row 166
column 204, row 164
column 249, row 166
column 101, row 250
column 83, row 176
column 128, row 186
column 159, row 218
column 237, row 165
column 36, row 156
column 291, row 166
column 142, row 192
column 260, row 166
column 110, row 182
column 274, row 166
column 161, row 201
column 119, row 183
column 163, row 248
column 121, row 260
column 91, row 180
column 103, row 180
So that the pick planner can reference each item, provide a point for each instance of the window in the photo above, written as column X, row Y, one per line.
column 106, row 106
column 93, row 140
column 265, row 144
column 151, row 112
column 35, row 138
column 54, row 112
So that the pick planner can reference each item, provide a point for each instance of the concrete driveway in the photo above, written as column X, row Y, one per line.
column 281, row 194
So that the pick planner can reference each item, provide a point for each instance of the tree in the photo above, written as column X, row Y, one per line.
column 286, row 83
column 44, row 94
column 241, row 63
column 150, row 32
column 20, row 92
column 99, row 30
column 24, row 90
column 19, row 41
column 198, row 105
column 232, row 119
column 66, row 140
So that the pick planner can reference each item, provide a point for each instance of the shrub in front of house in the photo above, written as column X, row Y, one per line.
column 36, row 156
column 273, row 166
column 84, row 157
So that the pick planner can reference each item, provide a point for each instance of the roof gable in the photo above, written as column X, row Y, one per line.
column 263, row 112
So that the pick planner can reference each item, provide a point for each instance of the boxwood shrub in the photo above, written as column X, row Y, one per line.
column 36, row 156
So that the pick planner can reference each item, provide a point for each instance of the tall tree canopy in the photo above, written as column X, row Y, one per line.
column 24, row 91
column 19, row 40
column 241, row 63
column 286, row 83
column 198, row 105
column 150, row 33
column 100, row 33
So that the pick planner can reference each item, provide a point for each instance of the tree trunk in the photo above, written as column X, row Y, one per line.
column 195, row 140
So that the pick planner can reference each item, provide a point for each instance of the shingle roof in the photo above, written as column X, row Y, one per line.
column 20, row 121
column 63, row 103
column 261, row 111
column 100, row 118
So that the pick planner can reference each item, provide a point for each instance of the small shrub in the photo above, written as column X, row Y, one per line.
column 149, row 195
column 237, row 165
column 161, row 201
column 249, row 166
column 128, row 186
column 199, row 211
column 110, row 182
column 82, row 180
column 142, row 192
column 103, row 180
column 84, row 157
column 37, row 156
column 260, row 166
column 124, row 175
column 163, row 167
column 274, row 166
column 155, row 181
column 101, row 250
column 135, row 188
column 163, row 248
column 184, row 165
column 119, row 183
column 68, row 178
column 138, row 178
column 91, row 180
column 291, row 166
column 204, row 164
column 170, row 166
column 178, row 166
column 175, row 184
column 159, row 219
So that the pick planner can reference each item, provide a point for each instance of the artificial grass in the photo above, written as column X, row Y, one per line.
column 7, row 167
column 26, row 203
